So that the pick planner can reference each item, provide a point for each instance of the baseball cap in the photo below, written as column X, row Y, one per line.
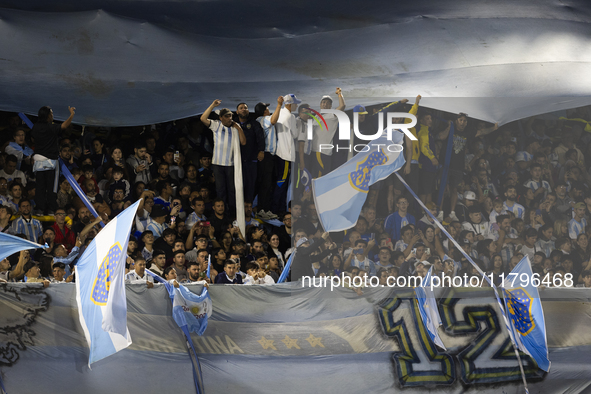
column 360, row 109
column 301, row 241
column 290, row 99
column 431, row 205
column 327, row 97
column 522, row 156
column 302, row 107
column 237, row 242
column 30, row 264
column 224, row 111
column 469, row 195
column 260, row 108
column 424, row 262
column 580, row 205
column 562, row 183
column 158, row 211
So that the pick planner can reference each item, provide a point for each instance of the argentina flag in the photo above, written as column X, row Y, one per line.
column 190, row 310
column 340, row 195
column 427, row 304
column 10, row 244
column 525, row 314
column 100, row 288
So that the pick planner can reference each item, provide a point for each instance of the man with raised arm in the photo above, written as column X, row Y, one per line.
column 224, row 130
column 322, row 159
column 46, row 137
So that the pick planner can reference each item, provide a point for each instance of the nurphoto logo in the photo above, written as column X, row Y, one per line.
column 394, row 121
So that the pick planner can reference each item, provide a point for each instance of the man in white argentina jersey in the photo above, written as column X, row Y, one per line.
column 322, row 154
column 475, row 223
column 224, row 130
column 287, row 132
column 536, row 183
column 510, row 205
column 577, row 224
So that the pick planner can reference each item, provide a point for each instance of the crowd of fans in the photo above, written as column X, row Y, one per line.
column 521, row 189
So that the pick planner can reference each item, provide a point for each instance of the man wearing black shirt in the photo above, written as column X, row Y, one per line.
column 457, row 163
column 284, row 233
column 220, row 219
column 252, row 151
column 46, row 134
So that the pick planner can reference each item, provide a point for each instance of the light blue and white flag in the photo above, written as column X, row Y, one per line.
column 285, row 272
column 340, row 195
column 9, row 244
column 100, row 288
column 428, row 309
column 191, row 310
column 526, row 323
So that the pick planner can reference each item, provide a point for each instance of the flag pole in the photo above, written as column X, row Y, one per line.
column 514, row 342
column 521, row 368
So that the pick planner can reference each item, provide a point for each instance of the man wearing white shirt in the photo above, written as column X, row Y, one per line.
column 224, row 131
column 10, row 173
column 287, row 131
column 322, row 159
column 510, row 205
column 475, row 223
column 577, row 224
column 139, row 275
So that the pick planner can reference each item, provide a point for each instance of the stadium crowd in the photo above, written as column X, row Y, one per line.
column 501, row 193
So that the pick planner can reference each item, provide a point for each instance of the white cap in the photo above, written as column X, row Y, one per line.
column 301, row 241
column 291, row 99
column 470, row 195
column 326, row 98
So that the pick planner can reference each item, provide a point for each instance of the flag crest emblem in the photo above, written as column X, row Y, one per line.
column 102, row 282
column 519, row 304
column 359, row 179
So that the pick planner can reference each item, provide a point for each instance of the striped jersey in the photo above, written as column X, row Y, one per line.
column 156, row 228
column 270, row 134
column 535, row 185
column 576, row 228
column 32, row 228
column 517, row 209
column 222, row 143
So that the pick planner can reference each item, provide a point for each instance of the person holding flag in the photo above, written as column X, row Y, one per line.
column 190, row 312
column 100, row 288
column 224, row 131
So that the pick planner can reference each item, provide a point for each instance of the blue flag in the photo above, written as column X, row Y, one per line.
column 9, row 244
column 340, row 195
column 526, row 318
column 191, row 310
column 100, row 288
column 428, row 309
